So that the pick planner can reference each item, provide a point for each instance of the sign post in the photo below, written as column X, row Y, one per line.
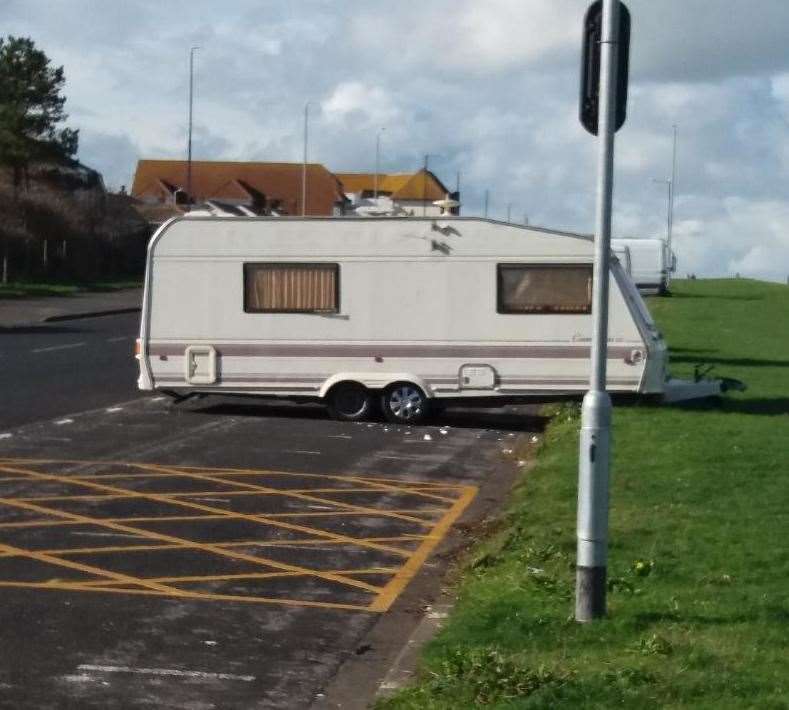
column 603, row 24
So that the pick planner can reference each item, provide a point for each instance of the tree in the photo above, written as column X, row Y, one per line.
column 31, row 107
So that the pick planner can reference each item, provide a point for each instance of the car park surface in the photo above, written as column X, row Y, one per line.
column 224, row 553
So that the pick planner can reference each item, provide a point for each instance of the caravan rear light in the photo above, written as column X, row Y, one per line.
column 137, row 348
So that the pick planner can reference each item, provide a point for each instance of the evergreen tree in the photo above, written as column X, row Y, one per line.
column 31, row 107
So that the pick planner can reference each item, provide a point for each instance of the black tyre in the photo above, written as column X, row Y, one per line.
column 405, row 403
column 349, row 402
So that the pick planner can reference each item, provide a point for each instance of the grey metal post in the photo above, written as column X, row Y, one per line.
column 191, row 114
column 377, row 160
column 424, row 187
column 672, row 189
column 304, row 161
column 667, row 183
column 593, row 466
column 487, row 200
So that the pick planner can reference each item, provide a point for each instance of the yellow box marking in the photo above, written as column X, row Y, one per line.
column 438, row 499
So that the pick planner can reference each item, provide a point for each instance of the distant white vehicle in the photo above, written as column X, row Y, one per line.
column 394, row 312
column 651, row 263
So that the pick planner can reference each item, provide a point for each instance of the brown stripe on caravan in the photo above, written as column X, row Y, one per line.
column 402, row 351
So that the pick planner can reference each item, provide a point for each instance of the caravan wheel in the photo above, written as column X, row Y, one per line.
column 404, row 403
column 349, row 402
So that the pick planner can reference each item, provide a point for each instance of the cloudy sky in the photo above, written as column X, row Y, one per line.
column 489, row 88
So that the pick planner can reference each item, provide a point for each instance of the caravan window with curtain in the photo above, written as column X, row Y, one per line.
column 291, row 288
column 540, row 288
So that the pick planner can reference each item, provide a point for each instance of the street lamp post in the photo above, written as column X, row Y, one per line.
column 304, row 160
column 673, row 187
column 669, row 200
column 191, row 116
column 377, row 161
column 424, row 182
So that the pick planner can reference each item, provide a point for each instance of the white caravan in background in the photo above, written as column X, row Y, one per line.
column 651, row 263
column 392, row 312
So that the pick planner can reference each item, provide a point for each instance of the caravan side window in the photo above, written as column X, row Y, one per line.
column 291, row 288
column 541, row 288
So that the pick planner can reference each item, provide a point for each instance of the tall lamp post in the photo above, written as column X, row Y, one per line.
column 669, row 200
column 671, row 184
column 304, row 160
column 191, row 116
column 424, row 182
column 377, row 160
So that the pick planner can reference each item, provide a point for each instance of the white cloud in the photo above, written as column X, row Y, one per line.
column 490, row 89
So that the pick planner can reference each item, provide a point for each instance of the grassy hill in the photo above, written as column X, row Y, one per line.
column 699, row 560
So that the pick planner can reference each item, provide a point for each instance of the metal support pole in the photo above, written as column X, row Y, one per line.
column 304, row 161
column 424, row 187
column 191, row 115
column 377, row 161
column 672, row 189
column 487, row 201
column 593, row 466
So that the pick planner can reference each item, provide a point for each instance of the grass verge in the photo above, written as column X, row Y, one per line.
column 699, row 564
column 29, row 289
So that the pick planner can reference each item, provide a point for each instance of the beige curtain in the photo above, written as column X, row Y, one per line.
column 292, row 287
column 539, row 289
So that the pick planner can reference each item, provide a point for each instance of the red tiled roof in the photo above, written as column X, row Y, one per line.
column 236, row 180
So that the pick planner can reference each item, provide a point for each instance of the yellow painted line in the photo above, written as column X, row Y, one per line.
column 89, row 569
column 209, row 509
column 207, row 547
column 383, row 600
column 101, row 521
column 284, row 493
column 231, row 577
column 195, row 494
column 237, row 471
column 230, row 514
column 256, row 518
column 237, row 543
column 191, row 595
column 406, row 573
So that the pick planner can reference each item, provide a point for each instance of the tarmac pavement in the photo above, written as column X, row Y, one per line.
column 228, row 554
column 29, row 311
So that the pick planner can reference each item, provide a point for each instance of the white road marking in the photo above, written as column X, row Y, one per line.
column 299, row 451
column 51, row 348
column 112, row 410
column 61, row 422
column 339, row 436
column 6, row 436
column 119, row 338
column 207, row 675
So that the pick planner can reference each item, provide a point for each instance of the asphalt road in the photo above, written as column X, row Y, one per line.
column 220, row 554
column 54, row 369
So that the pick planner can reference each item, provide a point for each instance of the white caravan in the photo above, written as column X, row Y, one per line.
column 651, row 263
column 396, row 312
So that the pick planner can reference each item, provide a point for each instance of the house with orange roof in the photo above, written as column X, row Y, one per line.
column 414, row 193
column 165, row 189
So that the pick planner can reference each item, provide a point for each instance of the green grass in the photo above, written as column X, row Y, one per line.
column 699, row 560
column 31, row 289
